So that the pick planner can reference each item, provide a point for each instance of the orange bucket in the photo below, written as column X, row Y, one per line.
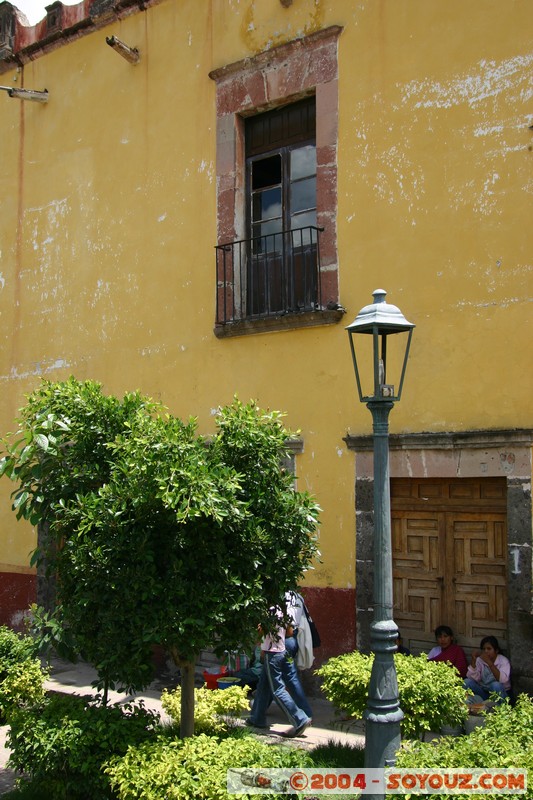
column 211, row 678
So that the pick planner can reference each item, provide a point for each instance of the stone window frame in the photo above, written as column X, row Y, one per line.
column 295, row 447
column 287, row 73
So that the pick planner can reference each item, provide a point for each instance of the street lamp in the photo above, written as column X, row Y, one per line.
column 383, row 714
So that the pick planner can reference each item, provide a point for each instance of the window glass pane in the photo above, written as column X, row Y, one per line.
column 267, row 228
column 267, row 237
column 266, row 172
column 266, row 204
column 303, row 221
column 303, row 195
column 303, row 162
column 281, row 210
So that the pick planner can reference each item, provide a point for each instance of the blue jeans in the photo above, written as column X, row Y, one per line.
column 485, row 691
column 276, row 671
column 292, row 680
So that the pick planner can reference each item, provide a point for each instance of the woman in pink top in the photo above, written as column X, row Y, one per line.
column 489, row 670
column 277, row 672
column 447, row 650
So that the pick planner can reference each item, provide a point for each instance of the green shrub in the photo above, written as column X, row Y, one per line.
column 25, row 791
column 431, row 693
column 14, row 647
column 215, row 711
column 505, row 741
column 21, row 675
column 194, row 768
column 62, row 743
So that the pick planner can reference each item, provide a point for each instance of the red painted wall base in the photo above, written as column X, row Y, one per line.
column 17, row 593
column 333, row 611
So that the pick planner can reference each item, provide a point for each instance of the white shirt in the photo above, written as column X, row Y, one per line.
column 276, row 642
column 295, row 607
column 482, row 673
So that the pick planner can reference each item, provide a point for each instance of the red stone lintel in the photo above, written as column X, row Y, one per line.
column 279, row 53
column 288, row 71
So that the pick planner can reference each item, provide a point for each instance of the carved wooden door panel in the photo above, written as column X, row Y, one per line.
column 475, row 590
column 449, row 550
column 418, row 547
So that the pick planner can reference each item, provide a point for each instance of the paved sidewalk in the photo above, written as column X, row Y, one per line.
column 77, row 679
column 7, row 776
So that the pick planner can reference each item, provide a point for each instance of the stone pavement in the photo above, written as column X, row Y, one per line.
column 77, row 679
column 7, row 776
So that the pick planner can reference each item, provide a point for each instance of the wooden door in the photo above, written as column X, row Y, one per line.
column 475, row 590
column 449, row 550
column 418, row 540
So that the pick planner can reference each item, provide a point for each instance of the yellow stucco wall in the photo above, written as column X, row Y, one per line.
column 108, row 226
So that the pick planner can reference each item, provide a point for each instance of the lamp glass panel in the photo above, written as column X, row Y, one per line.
column 395, row 353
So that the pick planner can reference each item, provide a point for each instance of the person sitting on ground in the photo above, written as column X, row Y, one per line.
column 249, row 676
column 401, row 649
column 447, row 650
column 489, row 671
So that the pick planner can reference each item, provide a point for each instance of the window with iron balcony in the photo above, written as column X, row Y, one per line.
column 276, row 257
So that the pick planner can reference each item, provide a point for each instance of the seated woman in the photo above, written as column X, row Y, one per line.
column 401, row 649
column 489, row 671
column 447, row 650
column 249, row 676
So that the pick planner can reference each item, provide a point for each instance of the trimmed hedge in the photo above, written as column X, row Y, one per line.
column 62, row 743
column 21, row 675
column 431, row 693
column 505, row 741
column 195, row 768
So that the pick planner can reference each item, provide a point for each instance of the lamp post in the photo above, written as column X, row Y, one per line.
column 383, row 714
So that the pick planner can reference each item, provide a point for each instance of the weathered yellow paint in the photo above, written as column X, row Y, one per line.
column 18, row 539
column 108, row 226
column 266, row 25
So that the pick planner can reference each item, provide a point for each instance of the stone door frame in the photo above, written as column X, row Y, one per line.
column 469, row 454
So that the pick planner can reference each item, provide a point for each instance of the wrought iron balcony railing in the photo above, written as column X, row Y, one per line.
column 270, row 275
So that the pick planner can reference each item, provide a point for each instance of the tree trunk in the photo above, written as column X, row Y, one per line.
column 187, row 694
column 187, row 699
column 46, row 581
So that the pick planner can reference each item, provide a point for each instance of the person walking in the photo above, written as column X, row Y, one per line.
column 277, row 671
column 295, row 611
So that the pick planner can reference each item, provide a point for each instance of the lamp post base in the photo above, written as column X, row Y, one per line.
column 383, row 713
column 382, row 742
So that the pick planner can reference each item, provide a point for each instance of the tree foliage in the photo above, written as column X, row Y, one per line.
column 158, row 535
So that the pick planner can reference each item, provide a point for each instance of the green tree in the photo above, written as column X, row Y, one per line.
column 157, row 534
